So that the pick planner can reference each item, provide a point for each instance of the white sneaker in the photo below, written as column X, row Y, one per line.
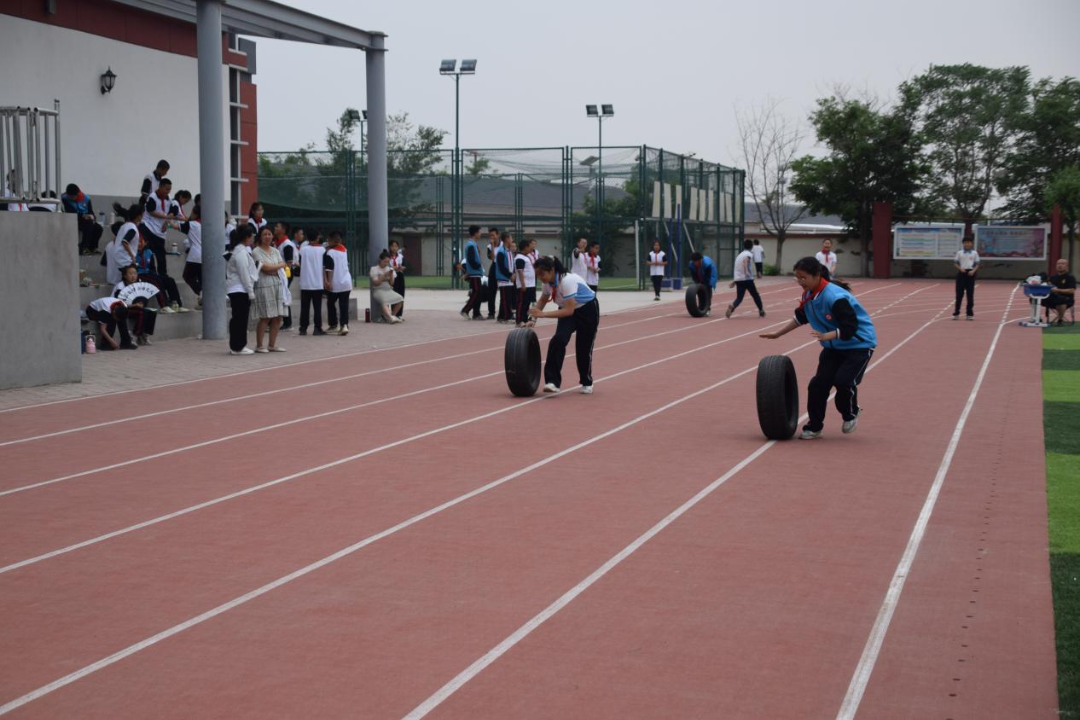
column 586, row 389
column 344, row 330
column 332, row 329
column 810, row 435
column 393, row 319
column 245, row 351
column 260, row 350
column 850, row 425
column 183, row 309
column 551, row 388
column 166, row 311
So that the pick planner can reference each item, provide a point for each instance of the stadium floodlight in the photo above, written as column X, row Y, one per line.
column 590, row 110
column 448, row 67
column 589, row 161
column 353, row 115
column 608, row 110
column 468, row 67
column 364, row 112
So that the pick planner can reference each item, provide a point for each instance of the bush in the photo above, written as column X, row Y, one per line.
column 770, row 270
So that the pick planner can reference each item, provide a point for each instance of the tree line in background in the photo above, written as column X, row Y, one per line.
column 955, row 137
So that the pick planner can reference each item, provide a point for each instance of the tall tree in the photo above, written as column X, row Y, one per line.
column 968, row 118
column 873, row 155
column 1048, row 142
column 769, row 144
column 1064, row 190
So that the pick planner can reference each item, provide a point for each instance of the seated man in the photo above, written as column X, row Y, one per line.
column 1063, row 296
column 78, row 202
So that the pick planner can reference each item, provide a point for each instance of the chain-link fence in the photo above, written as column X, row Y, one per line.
column 624, row 197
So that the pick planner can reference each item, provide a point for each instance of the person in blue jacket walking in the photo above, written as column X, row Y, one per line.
column 847, row 339
column 473, row 268
column 703, row 272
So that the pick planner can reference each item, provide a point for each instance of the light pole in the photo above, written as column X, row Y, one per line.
column 361, row 117
column 449, row 67
column 606, row 111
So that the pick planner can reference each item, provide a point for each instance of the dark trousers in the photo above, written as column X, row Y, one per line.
column 113, row 321
column 965, row 284
column 337, row 302
column 476, row 295
column 657, row 283
column 167, row 290
column 741, row 288
column 399, row 288
column 193, row 276
column 492, row 285
column 89, row 235
column 708, row 297
column 585, row 321
column 506, row 302
column 307, row 299
column 842, row 369
column 525, row 298
column 238, row 323
column 143, row 320
column 157, row 246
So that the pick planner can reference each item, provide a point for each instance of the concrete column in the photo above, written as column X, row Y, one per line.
column 212, row 167
column 882, row 240
column 378, row 218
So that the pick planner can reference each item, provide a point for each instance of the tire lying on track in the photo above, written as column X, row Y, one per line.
column 777, row 397
column 522, row 360
column 695, row 300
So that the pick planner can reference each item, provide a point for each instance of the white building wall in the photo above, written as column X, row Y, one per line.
column 108, row 142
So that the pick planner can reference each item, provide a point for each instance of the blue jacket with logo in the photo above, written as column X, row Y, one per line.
column 831, row 307
column 707, row 274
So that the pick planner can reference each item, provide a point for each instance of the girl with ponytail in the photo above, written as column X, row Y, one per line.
column 577, row 313
column 847, row 337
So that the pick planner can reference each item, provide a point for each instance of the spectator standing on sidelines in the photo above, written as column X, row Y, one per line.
column 77, row 202
column 150, row 182
column 473, row 268
column 827, row 257
column 657, row 263
column 312, row 282
column 504, row 277
column 193, row 247
column 269, row 291
column 338, row 283
column 524, row 280
column 288, row 252
column 255, row 218
column 966, row 263
column 592, row 267
column 159, row 213
column 240, row 276
column 493, row 245
column 578, row 264
column 397, row 264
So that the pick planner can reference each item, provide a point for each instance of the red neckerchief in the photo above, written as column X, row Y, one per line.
column 277, row 242
column 339, row 246
column 811, row 294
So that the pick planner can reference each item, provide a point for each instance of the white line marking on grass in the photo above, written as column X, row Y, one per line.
column 872, row 649
column 455, row 684
column 236, row 602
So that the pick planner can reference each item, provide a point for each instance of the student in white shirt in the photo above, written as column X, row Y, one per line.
column 143, row 318
column 759, row 257
column 744, row 280
column 827, row 258
column 577, row 258
column 504, row 276
column 524, row 280
column 240, row 276
column 578, row 314
column 193, row 247
column 592, row 267
column 159, row 213
column 338, row 283
column 657, row 263
column 397, row 263
column 255, row 218
column 312, row 282
column 124, row 249
column 150, row 182
column 967, row 264
column 111, row 314
column 494, row 243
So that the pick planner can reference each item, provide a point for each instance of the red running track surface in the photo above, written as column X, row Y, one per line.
column 455, row 573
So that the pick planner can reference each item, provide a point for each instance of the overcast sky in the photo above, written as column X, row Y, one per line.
column 674, row 70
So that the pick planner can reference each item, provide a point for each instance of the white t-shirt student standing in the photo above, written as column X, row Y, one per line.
column 193, row 244
column 744, row 266
column 967, row 259
column 577, row 263
column 657, row 257
column 759, row 253
column 311, row 267
column 828, row 260
column 592, row 270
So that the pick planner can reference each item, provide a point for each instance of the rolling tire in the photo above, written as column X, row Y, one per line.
column 522, row 359
column 695, row 300
column 777, row 397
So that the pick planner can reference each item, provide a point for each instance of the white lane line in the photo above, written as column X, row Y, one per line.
column 861, row 676
column 215, row 441
column 291, row 388
column 344, row 460
column 455, row 684
column 220, row 609
column 267, row 428
column 624, row 311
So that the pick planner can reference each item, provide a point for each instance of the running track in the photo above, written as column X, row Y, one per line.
column 406, row 539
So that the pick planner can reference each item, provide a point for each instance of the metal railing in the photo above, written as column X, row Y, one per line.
column 30, row 155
